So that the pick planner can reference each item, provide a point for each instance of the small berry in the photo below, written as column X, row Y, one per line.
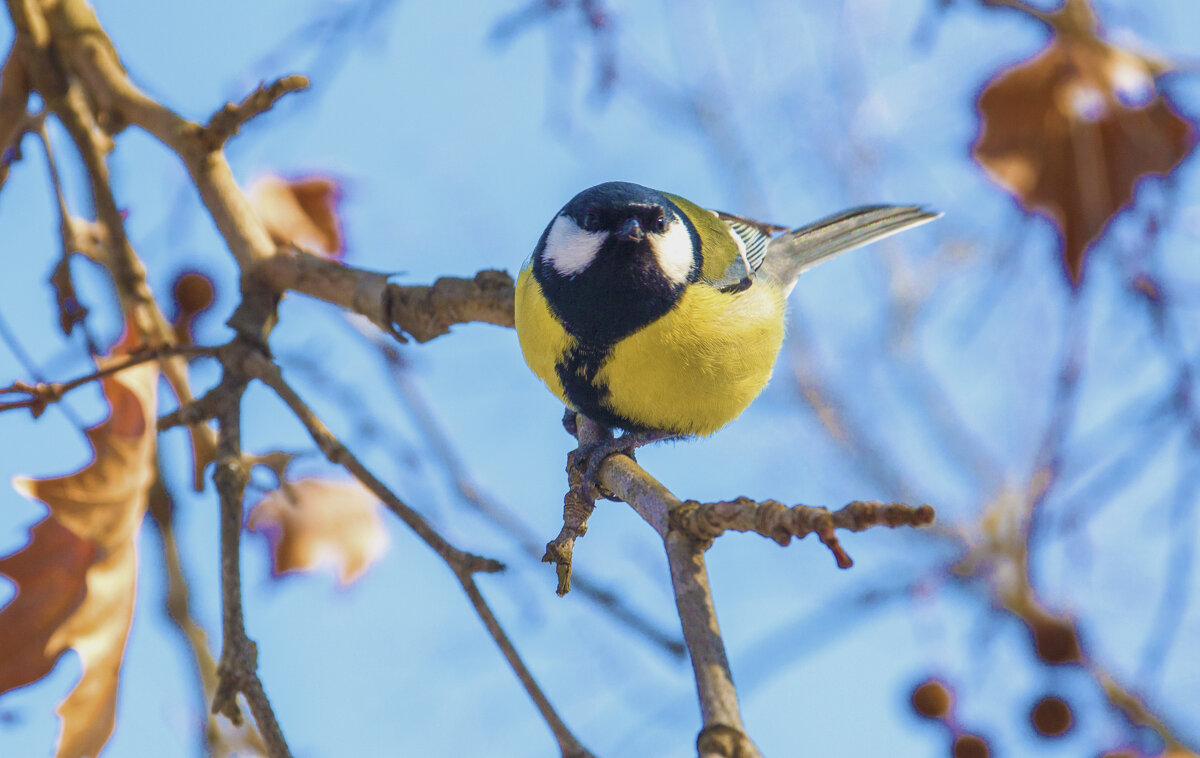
column 970, row 746
column 932, row 699
column 1051, row 716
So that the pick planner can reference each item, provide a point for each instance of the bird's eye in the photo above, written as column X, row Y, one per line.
column 658, row 224
column 591, row 221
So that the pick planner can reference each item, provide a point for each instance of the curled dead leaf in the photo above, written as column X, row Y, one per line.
column 301, row 211
column 77, row 575
column 1070, row 131
column 313, row 523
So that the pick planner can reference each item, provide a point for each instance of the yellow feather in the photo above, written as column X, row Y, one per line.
column 716, row 239
column 697, row 368
column 542, row 337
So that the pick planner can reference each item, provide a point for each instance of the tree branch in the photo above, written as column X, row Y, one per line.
column 422, row 312
column 688, row 529
column 226, row 122
column 237, row 671
column 722, row 734
column 88, row 52
column 217, row 739
column 42, row 394
column 14, row 99
column 707, row 521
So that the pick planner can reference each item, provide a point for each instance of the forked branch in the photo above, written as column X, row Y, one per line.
column 688, row 529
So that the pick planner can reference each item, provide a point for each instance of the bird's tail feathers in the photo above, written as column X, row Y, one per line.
column 797, row 251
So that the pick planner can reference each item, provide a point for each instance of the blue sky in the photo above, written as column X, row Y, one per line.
column 455, row 151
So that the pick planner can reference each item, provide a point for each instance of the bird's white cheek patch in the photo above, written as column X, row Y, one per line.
column 570, row 249
column 673, row 249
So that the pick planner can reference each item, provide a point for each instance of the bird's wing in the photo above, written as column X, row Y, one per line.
column 752, row 238
column 755, row 236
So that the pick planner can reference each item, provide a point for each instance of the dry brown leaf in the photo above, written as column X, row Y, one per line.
column 77, row 575
column 1070, row 131
column 301, row 211
column 313, row 523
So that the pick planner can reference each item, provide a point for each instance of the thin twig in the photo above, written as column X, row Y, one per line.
column 1023, row 7
column 463, row 564
column 705, row 522
column 568, row 745
column 1048, row 459
column 226, row 122
column 42, row 394
column 9, row 338
column 87, row 50
column 578, row 504
column 237, row 671
column 268, row 373
column 217, row 740
column 71, row 312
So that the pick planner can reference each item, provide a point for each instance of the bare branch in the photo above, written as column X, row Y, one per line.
column 42, row 394
column 568, row 745
column 707, row 521
column 218, row 740
column 237, row 671
column 578, row 503
column 1023, row 7
column 226, row 122
column 14, row 98
column 722, row 734
column 87, row 51
column 268, row 373
column 422, row 312
column 687, row 529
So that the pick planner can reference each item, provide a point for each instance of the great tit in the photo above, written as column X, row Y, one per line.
column 648, row 313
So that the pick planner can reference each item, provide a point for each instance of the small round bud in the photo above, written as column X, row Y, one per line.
column 1051, row 716
column 932, row 699
column 971, row 746
column 193, row 292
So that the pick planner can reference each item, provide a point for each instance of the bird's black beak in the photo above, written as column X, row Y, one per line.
column 631, row 230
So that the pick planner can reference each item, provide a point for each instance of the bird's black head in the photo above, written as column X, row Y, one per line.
column 615, row 258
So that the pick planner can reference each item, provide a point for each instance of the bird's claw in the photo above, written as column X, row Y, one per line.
column 590, row 458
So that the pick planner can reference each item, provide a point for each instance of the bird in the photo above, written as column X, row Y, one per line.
column 650, row 314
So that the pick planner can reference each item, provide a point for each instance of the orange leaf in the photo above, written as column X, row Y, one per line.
column 1070, row 132
column 300, row 211
column 312, row 523
column 76, row 577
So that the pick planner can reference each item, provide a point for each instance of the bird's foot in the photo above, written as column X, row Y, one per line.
column 590, row 457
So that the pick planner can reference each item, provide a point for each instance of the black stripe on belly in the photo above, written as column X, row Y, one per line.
column 577, row 371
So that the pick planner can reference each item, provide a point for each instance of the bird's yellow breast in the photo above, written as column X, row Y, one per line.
column 691, row 371
column 697, row 368
column 543, row 339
